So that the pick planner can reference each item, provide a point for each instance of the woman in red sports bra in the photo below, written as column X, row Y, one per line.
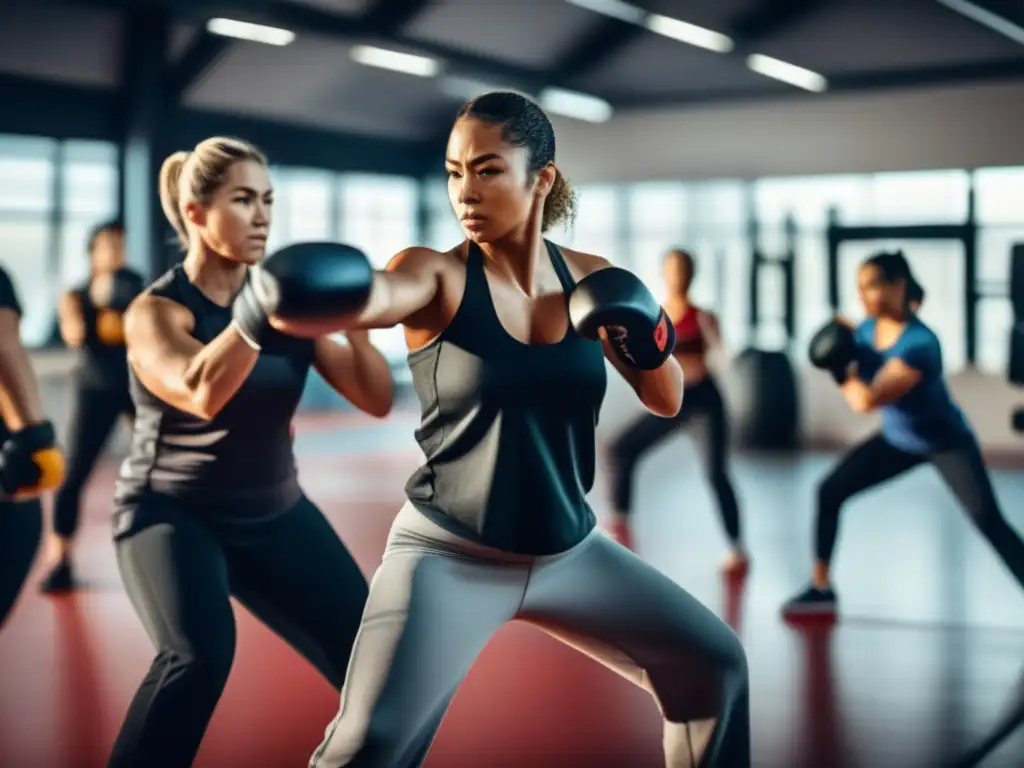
column 697, row 335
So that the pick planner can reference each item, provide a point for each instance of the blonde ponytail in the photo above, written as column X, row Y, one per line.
column 170, row 194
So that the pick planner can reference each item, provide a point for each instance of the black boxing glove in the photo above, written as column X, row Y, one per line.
column 31, row 462
column 312, row 287
column 637, row 327
column 832, row 349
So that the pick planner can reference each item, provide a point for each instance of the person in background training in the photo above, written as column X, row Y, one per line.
column 91, row 321
column 30, row 461
column 697, row 336
column 508, row 336
column 208, row 504
column 898, row 362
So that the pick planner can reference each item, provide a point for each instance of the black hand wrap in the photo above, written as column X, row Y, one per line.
column 637, row 327
column 19, row 468
column 832, row 349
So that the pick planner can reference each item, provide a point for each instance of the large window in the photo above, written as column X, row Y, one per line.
column 657, row 214
column 1000, row 214
column 806, row 201
column 27, row 205
column 51, row 195
column 918, row 197
column 443, row 229
column 716, row 234
column 598, row 225
column 378, row 214
column 88, row 197
column 305, row 205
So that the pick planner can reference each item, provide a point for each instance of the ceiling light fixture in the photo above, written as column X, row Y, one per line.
column 579, row 106
column 787, row 73
column 407, row 63
column 688, row 33
column 244, row 30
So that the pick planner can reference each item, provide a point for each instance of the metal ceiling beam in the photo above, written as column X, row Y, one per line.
column 852, row 82
column 304, row 20
column 769, row 18
column 599, row 44
column 389, row 17
column 196, row 63
column 608, row 37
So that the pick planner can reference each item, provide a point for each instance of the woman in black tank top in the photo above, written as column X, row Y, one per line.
column 24, row 429
column 91, row 321
column 208, row 504
column 498, row 526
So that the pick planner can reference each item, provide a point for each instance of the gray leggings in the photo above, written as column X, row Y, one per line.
column 437, row 599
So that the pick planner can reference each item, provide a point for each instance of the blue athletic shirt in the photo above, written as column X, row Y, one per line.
column 926, row 419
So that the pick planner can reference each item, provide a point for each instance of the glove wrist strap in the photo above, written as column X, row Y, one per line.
column 36, row 436
column 246, row 337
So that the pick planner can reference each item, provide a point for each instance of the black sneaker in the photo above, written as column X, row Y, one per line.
column 812, row 602
column 60, row 579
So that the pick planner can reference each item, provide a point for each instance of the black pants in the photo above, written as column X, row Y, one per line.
column 21, row 527
column 93, row 419
column 291, row 571
column 437, row 599
column 963, row 469
column 702, row 401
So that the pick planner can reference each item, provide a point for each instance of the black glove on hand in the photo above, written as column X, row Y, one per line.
column 637, row 327
column 30, row 461
column 832, row 349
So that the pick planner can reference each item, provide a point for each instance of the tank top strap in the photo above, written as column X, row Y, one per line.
column 475, row 276
column 561, row 268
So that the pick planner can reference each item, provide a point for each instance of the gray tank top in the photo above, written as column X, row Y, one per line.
column 507, row 429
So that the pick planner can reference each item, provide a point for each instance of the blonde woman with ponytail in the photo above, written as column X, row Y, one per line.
column 208, row 504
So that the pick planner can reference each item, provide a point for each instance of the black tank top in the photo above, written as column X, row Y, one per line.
column 508, row 429
column 101, row 365
column 241, row 462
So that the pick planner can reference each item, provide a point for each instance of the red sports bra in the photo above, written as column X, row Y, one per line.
column 689, row 335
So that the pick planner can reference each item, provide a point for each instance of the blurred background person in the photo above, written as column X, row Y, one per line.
column 91, row 322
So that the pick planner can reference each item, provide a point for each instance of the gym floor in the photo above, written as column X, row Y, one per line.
column 928, row 655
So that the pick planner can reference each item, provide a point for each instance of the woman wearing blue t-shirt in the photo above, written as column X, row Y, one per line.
column 898, row 370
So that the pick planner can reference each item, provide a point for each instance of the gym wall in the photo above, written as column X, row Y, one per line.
column 964, row 127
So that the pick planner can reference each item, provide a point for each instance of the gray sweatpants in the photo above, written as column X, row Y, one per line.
column 437, row 599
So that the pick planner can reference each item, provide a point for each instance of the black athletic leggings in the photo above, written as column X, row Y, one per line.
column 963, row 469
column 291, row 571
column 93, row 419
column 702, row 400
column 21, row 528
